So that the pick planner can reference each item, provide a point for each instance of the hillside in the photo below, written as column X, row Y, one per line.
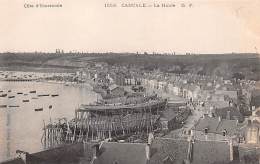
column 206, row 64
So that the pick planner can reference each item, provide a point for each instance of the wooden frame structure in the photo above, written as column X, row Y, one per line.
column 99, row 122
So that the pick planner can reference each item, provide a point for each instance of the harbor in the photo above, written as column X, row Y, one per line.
column 17, row 116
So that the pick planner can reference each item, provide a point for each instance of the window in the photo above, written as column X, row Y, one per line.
column 224, row 132
column 206, row 130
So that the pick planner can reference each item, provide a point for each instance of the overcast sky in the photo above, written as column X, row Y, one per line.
column 85, row 25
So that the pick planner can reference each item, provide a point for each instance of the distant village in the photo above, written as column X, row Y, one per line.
column 206, row 119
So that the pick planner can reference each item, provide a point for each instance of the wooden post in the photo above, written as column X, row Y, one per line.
column 87, row 130
column 45, row 137
column 74, row 134
column 151, row 121
column 92, row 135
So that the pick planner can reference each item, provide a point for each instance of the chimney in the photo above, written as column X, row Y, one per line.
column 191, row 132
column 231, row 151
column 253, row 108
column 148, row 151
column 190, row 151
column 228, row 115
column 205, row 115
column 249, row 122
column 95, row 149
column 150, row 138
column 22, row 155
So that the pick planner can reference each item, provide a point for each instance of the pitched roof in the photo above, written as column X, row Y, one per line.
column 162, row 148
column 214, row 125
column 169, row 114
column 64, row 154
column 112, row 87
column 230, row 94
column 176, row 151
column 234, row 113
column 209, row 152
column 122, row 153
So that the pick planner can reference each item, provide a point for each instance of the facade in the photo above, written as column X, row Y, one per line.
column 115, row 91
column 120, row 79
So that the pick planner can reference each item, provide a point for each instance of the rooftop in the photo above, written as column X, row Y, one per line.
column 216, row 125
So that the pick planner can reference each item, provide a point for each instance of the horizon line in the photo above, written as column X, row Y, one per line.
column 132, row 53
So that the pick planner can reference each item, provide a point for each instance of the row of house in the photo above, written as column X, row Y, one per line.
column 217, row 92
column 157, row 151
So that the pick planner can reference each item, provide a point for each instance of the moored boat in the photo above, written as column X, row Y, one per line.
column 25, row 100
column 38, row 109
column 43, row 95
column 10, row 97
column 3, row 95
column 32, row 91
column 13, row 106
column 54, row 95
column 19, row 93
column 3, row 106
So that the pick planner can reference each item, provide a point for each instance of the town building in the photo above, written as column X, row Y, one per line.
column 212, row 128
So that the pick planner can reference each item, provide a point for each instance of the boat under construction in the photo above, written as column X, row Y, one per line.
column 103, row 121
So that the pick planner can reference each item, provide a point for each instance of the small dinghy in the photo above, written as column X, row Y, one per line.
column 3, row 95
column 43, row 95
column 38, row 109
column 13, row 106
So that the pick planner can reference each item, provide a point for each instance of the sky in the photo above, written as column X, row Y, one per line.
column 209, row 26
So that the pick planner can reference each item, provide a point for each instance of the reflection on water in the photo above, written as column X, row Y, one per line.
column 21, row 127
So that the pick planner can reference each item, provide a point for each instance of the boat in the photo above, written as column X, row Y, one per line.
column 9, row 90
column 25, row 94
column 13, row 106
column 43, row 95
column 11, row 97
column 25, row 100
column 3, row 95
column 32, row 92
column 3, row 106
column 38, row 109
column 35, row 98
column 1, row 91
column 19, row 93
column 54, row 95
